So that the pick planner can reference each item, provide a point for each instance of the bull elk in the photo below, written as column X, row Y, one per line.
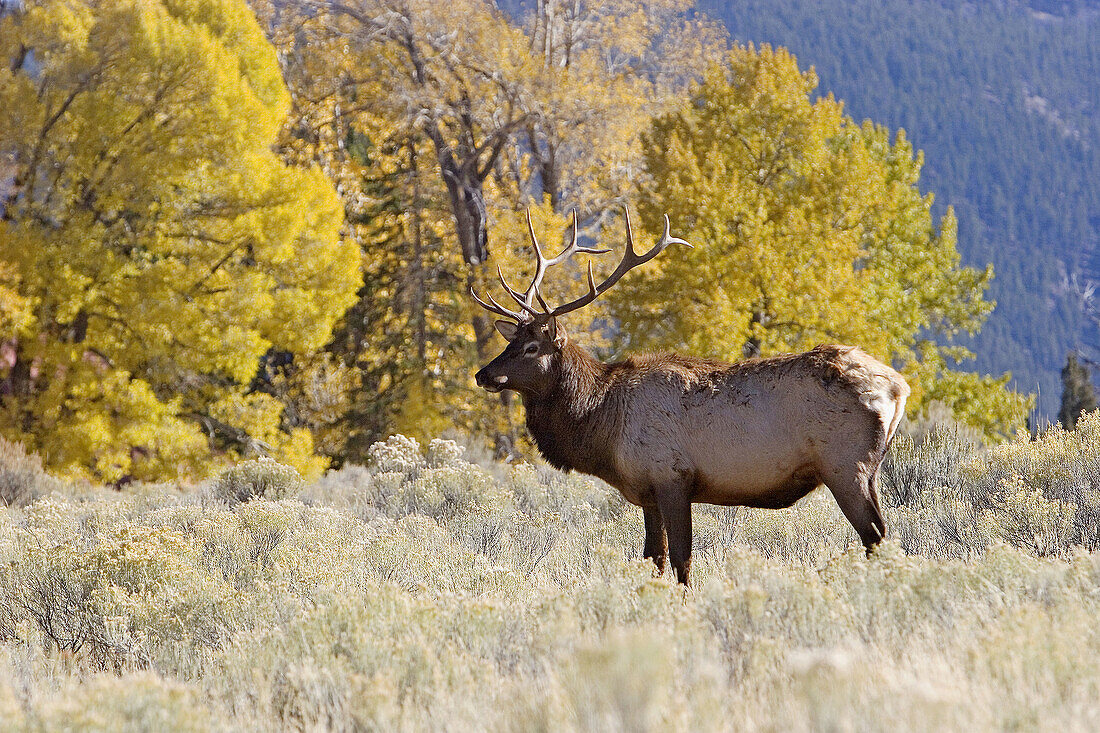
column 668, row 430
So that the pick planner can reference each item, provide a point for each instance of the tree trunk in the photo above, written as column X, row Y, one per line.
column 467, row 198
column 751, row 349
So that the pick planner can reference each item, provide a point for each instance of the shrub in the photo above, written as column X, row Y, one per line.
column 22, row 479
column 397, row 454
column 913, row 471
column 260, row 478
column 1046, row 491
column 135, row 702
column 129, row 595
column 444, row 453
column 439, row 596
column 952, row 498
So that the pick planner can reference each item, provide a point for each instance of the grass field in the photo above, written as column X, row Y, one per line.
column 428, row 592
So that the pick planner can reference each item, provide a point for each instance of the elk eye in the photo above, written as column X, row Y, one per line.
column 531, row 349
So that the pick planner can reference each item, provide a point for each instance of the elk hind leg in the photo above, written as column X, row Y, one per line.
column 675, row 508
column 656, row 544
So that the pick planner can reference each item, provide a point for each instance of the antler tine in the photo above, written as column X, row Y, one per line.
column 630, row 233
column 666, row 239
column 521, row 300
column 495, row 307
column 630, row 260
column 534, row 239
column 545, row 264
column 508, row 288
column 542, row 302
column 526, row 300
column 573, row 249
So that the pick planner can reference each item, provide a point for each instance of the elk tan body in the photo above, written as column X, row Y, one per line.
column 670, row 430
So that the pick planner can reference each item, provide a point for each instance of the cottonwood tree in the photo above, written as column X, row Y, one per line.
column 456, row 73
column 399, row 100
column 405, row 345
column 162, row 244
column 807, row 228
column 613, row 66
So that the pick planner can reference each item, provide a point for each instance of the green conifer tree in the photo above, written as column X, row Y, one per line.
column 1078, row 395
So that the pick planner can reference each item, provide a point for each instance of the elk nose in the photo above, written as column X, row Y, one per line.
column 493, row 384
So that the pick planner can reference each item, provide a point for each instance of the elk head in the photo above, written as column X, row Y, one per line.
column 534, row 336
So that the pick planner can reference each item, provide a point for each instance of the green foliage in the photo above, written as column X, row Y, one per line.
column 405, row 345
column 807, row 228
column 163, row 245
column 1078, row 394
column 407, row 333
column 439, row 122
column 986, row 403
column 1001, row 99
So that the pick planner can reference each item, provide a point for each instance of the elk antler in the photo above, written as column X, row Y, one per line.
column 496, row 307
column 526, row 300
column 630, row 260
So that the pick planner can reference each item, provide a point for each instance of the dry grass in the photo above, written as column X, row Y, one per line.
column 425, row 592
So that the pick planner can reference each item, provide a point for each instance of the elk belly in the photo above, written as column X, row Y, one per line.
column 752, row 463
column 758, row 484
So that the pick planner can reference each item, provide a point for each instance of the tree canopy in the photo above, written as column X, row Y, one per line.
column 441, row 123
column 1078, row 394
column 1002, row 99
column 807, row 228
column 163, row 246
column 220, row 236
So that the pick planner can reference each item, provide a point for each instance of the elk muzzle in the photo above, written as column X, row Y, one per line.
column 490, row 382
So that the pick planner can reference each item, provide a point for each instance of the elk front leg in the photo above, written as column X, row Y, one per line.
column 675, row 510
column 656, row 547
column 854, row 491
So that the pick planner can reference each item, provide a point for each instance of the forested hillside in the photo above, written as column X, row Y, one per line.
column 1004, row 101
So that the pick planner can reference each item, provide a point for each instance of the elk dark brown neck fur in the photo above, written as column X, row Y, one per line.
column 574, row 422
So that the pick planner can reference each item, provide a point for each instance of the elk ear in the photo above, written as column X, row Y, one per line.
column 507, row 329
column 556, row 335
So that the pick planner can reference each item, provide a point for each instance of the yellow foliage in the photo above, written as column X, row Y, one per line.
column 807, row 228
column 163, row 245
column 389, row 94
column 15, row 310
column 604, row 70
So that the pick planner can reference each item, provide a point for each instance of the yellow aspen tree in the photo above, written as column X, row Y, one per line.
column 808, row 228
column 164, row 247
column 401, row 355
column 469, row 116
column 612, row 67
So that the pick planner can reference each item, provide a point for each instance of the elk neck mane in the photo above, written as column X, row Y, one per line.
column 576, row 421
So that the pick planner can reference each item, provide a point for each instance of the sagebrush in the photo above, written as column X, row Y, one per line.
column 426, row 592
